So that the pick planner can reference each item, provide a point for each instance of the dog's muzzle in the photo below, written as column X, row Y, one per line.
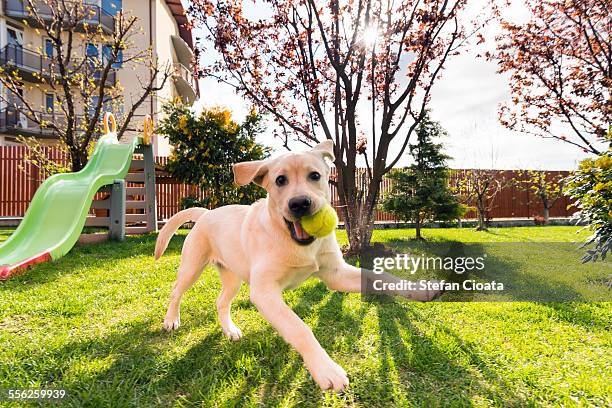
column 298, row 234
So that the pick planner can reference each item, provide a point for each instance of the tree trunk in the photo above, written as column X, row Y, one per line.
column 358, row 221
column 546, row 204
column 482, row 222
column 359, row 224
column 78, row 159
column 358, row 212
column 418, row 226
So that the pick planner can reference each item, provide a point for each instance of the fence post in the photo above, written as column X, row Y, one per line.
column 149, row 172
column 116, row 229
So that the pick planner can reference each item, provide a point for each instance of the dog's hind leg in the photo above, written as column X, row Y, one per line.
column 193, row 260
column 230, row 287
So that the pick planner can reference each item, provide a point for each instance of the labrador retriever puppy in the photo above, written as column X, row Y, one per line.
column 265, row 245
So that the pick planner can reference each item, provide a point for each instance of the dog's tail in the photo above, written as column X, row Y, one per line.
column 178, row 219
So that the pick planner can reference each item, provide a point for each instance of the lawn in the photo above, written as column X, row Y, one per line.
column 91, row 323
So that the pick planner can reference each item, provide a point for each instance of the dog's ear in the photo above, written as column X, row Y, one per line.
column 325, row 149
column 252, row 171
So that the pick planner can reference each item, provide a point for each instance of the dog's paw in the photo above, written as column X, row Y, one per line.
column 171, row 323
column 329, row 375
column 232, row 332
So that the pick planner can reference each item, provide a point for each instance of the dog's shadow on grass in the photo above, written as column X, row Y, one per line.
column 279, row 375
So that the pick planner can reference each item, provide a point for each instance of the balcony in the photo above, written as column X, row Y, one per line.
column 93, row 15
column 32, row 66
column 35, row 67
column 185, row 82
column 111, row 79
column 13, row 122
column 183, row 51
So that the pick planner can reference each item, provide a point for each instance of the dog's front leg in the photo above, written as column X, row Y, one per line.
column 348, row 278
column 267, row 297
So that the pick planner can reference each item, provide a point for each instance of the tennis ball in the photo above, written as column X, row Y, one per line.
column 322, row 223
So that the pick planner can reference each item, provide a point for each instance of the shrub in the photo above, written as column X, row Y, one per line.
column 591, row 186
column 205, row 148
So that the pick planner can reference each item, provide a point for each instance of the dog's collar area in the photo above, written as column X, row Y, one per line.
column 305, row 241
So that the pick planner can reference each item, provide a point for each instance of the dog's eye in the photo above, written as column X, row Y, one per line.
column 281, row 181
column 314, row 176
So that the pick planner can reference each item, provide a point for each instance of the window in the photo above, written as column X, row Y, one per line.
column 91, row 106
column 111, row 6
column 14, row 48
column 107, row 106
column 14, row 37
column 49, row 50
column 107, row 55
column 14, row 117
column 119, row 62
column 92, row 60
column 15, row 100
column 49, row 102
column 92, row 50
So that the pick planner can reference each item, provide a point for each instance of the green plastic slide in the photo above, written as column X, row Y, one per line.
column 57, row 213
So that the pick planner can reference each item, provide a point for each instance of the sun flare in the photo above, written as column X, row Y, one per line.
column 370, row 36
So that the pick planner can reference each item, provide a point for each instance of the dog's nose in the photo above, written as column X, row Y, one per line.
column 300, row 206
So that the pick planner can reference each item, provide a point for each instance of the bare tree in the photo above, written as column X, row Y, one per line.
column 84, row 82
column 322, row 69
column 478, row 188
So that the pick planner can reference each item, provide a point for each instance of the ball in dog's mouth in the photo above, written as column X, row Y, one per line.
column 298, row 234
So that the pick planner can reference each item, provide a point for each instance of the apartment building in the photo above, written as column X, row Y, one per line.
column 161, row 27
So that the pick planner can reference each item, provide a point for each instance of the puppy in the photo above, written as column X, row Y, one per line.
column 265, row 245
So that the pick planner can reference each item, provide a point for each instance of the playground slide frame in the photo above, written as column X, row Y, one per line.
column 58, row 211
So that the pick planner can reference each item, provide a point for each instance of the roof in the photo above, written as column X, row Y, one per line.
column 178, row 12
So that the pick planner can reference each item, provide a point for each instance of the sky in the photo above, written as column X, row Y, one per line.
column 465, row 101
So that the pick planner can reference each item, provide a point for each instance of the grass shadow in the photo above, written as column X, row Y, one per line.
column 432, row 374
column 138, row 374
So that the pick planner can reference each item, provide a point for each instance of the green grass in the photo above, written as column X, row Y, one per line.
column 5, row 232
column 91, row 323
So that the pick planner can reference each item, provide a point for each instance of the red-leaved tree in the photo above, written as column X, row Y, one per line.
column 560, row 66
column 357, row 72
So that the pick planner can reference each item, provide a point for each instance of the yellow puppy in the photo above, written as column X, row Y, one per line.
column 265, row 245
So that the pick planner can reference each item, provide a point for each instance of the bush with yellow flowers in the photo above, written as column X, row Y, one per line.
column 205, row 147
column 591, row 187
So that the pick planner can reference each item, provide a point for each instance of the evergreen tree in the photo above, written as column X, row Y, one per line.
column 421, row 191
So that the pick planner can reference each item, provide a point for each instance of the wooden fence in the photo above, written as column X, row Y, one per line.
column 514, row 200
column 20, row 179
